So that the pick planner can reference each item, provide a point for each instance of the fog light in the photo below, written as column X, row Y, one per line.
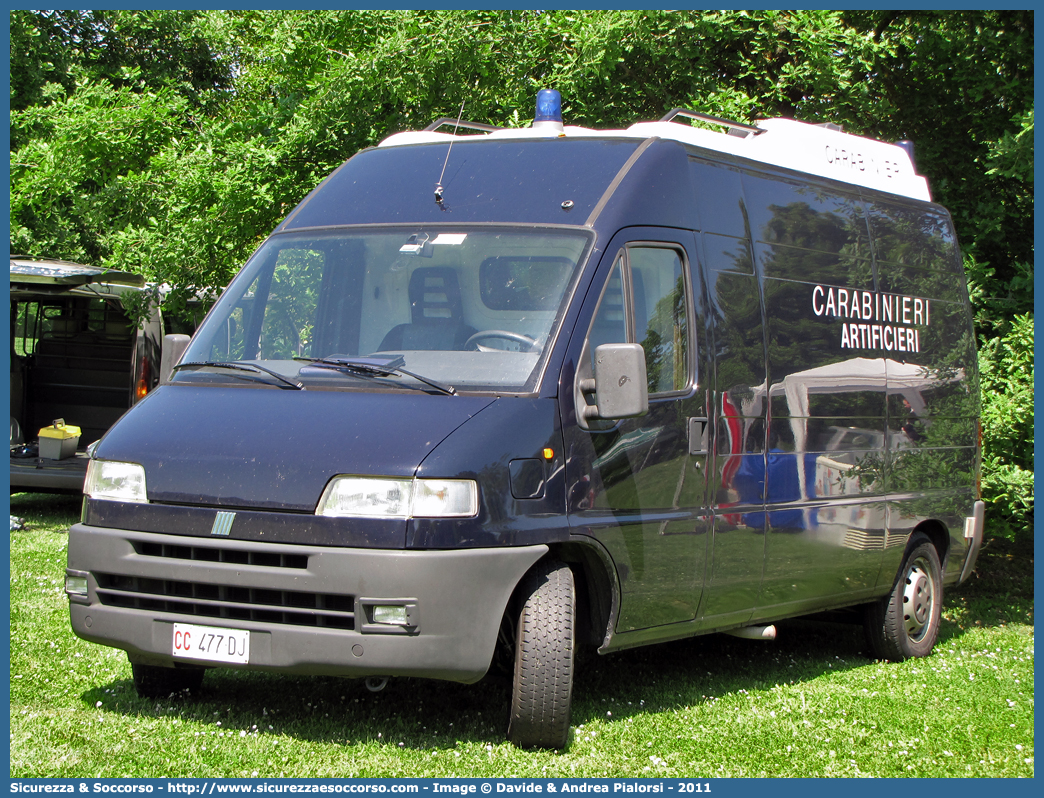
column 390, row 614
column 76, row 585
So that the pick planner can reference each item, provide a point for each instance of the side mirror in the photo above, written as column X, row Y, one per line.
column 174, row 346
column 620, row 384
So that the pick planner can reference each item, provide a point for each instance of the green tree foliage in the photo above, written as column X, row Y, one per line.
column 1006, row 372
column 76, row 180
column 312, row 87
column 170, row 142
column 61, row 49
column 960, row 85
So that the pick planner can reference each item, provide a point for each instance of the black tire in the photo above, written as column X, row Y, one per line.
column 545, row 642
column 905, row 623
column 154, row 681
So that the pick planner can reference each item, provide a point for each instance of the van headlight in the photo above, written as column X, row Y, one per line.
column 366, row 497
column 380, row 497
column 121, row 482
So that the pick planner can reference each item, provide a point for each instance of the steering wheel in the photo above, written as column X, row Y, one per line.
column 525, row 343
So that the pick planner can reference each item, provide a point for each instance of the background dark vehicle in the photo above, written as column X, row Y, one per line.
column 552, row 388
column 77, row 354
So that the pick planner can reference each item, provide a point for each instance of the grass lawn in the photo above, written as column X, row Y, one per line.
column 809, row 704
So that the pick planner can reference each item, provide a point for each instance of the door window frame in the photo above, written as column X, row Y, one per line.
column 622, row 259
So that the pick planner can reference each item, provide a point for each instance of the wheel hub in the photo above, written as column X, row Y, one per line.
column 918, row 601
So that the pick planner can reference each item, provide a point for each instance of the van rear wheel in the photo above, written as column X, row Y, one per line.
column 544, row 653
column 906, row 623
column 154, row 681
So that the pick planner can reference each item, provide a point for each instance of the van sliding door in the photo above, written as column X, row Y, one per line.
column 825, row 396
column 738, row 415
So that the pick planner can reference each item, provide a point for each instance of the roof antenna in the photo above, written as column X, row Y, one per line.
column 438, row 186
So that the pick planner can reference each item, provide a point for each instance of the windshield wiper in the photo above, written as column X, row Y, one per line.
column 242, row 366
column 376, row 367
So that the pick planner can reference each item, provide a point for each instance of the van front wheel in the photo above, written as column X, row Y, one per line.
column 544, row 647
column 905, row 623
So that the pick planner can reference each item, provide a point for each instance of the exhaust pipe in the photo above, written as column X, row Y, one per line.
column 376, row 683
column 754, row 632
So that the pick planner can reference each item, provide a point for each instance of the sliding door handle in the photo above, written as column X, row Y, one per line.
column 698, row 433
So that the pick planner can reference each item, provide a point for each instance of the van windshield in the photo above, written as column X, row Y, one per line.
column 474, row 309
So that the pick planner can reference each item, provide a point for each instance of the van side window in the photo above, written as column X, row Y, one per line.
column 610, row 322
column 651, row 311
column 660, row 314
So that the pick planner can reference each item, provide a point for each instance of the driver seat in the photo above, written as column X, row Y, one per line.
column 438, row 318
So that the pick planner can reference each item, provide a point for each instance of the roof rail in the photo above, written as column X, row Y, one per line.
column 735, row 128
column 470, row 125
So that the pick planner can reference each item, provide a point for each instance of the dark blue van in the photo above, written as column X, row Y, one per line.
column 551, row 388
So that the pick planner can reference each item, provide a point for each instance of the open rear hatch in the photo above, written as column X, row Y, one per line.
column 72, row 358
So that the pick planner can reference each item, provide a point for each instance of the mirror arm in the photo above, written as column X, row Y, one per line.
column 589, row 386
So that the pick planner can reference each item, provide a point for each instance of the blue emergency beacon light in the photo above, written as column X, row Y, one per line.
column 548, row 110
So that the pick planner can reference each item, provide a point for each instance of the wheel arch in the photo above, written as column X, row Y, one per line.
column 938, row 534
column 597, row 588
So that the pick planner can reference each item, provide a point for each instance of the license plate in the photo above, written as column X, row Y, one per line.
column 211, row 643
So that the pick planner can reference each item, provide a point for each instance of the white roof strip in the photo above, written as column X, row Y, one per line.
column 787, row 143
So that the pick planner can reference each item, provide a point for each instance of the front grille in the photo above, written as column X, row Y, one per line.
column 212, row 554
column 290, row 607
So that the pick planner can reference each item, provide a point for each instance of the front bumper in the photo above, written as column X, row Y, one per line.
column 306, row 607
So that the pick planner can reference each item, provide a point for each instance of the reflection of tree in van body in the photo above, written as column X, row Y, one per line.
column 941, row 453
column 916, row 253
column 822, row 241
column 936, row 479
column 931, row 436
column 916, row 239
column 914, row 450
column 736, row 316
column 799, row 244
column 798, row 224
column 665, row 342
column 919, row 248
column 912, row 237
